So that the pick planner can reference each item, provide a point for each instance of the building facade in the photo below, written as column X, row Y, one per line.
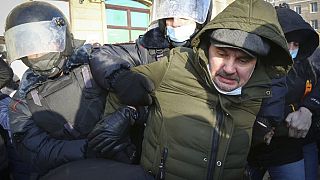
column 308, row 9
column 105, row 21
column 118, row 21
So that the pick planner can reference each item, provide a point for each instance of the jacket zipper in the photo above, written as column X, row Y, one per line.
column 162, row 165
column 215, row 141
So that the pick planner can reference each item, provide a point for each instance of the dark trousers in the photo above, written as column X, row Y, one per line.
column 97, row 169
column 19, row 169
column 5, row 174
column 4, row 169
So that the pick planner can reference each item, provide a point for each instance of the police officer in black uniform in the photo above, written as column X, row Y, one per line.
column 58, row 102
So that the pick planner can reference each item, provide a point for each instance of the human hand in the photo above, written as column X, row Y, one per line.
column 111, row 134
column 262, row 131
column 299, row 122
column 133, row 88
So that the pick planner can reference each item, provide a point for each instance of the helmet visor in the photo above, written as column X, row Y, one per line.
column 196, row 10
column 35, row 38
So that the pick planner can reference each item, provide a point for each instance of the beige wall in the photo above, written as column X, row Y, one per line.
column 305, row 9
column 218, row 6
column 88, row 20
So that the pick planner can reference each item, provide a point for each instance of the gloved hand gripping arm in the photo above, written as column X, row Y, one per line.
column 302, row 115
column 299, row 122
column 111, row 135
column 113, row 73
column 132, row 88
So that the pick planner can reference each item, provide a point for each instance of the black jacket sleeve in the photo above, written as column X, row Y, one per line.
column 6, row 73
column 36, row 146
column 273, row 107
column 312, row 100
column 107, row 59
column 305, row 71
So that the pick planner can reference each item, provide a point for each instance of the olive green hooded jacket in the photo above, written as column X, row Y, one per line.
column 194, row 132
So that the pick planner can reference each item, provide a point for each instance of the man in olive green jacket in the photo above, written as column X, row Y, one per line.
column 206, row 98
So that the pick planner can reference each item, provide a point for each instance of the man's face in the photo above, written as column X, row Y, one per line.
column 230, row 68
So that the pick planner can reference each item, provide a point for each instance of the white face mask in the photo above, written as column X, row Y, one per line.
column 231, row 93
column 181, row 33
column 294, row 53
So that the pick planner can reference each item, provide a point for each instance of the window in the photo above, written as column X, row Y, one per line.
column 314, row 7
column 314, row 24
column 126, row 20
column 297, row 9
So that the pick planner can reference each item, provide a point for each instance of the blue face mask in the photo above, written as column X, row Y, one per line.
column 294, row 53
column 182, row 33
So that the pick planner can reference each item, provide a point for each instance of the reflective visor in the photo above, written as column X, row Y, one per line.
column 35, row 38
column 196, row 10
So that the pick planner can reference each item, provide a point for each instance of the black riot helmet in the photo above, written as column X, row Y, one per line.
column 38, row 33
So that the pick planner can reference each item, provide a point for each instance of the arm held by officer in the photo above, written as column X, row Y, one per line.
column 131, row 88
column 271, row 114
column 110, row 138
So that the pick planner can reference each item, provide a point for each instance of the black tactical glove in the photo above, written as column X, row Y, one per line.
column 111, row 134
column 132, row 88
column 142, row 115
